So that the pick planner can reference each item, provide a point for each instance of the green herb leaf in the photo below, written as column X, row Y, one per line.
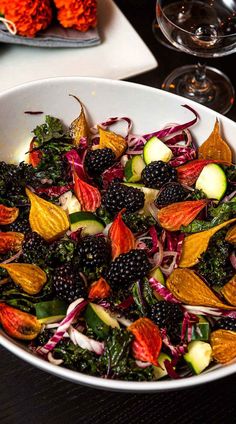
column 219, row 214
column 52, row 128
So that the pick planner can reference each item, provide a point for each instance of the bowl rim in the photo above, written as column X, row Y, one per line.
column 85, row 379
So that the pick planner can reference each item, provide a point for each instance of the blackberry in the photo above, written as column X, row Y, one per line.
column 67, row 283
column 158, row 173
column 97, row 161
column 34, row 249
column 138, row 223
column 170, row 193
column 169, row 316
column 128, row 268
column 93, row 256
column 226, row 324
column 120, row 196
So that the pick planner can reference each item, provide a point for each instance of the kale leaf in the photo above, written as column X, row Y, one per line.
column 219, row 214
column 214, row 264
column 51, row 129
column 116, row 362
column 143, row 296
column 76, row 358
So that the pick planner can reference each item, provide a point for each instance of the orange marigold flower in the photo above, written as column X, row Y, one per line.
column 2, row 6
column 77, row 14
column 29, row 16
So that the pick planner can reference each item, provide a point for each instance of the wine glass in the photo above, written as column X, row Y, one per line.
column 204, row 28
column 160, row 37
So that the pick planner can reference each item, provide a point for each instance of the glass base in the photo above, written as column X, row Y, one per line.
column 217, row 94
column 158, row 34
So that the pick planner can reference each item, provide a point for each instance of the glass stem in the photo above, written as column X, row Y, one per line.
column 199, row 80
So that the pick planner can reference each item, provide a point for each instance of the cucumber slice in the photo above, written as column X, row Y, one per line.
column 200, row 331
column 133, row 168
column 50, row 311
column 99, row 320
column 199, row 355
column 90, row 223
column 212, row 181
column 158, row 275
column 155, row 149
column 160, row 372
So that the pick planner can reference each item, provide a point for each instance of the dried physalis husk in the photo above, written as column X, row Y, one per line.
column 215, row 147
column 231, row 235
column 79, row 127
column 10, row 241
column 8, row 215
column 187, row 287
column 111, row 140
column 196, row 244
column 46, row 219
column 229, row 291
column 19, row 324
column 223, row 343
column 29, row 277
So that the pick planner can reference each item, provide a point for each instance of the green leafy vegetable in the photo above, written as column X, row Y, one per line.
column 143, row 296
column 138, row 223
column 116, row 359
column 214, row 264
column 76, row 358
column 219, row 214
column 51, row 129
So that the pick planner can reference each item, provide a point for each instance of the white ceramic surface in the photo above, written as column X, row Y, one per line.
column 121, row 55
column 150, row 109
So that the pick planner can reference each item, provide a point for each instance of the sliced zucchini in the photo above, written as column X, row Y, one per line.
column 212, row 181
column 90, row 223
column 158, row 275
column 155, row 149
column 133, row 169
column 50, row 311
column 199, row 355
column 160, row 372
column 99, row 320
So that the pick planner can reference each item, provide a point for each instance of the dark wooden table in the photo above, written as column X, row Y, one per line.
column 30, row 396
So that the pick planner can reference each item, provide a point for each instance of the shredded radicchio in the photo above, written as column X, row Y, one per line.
column 115, row 171
column 85, row 342
column 176, row 351
column 53, row 191
column 163, row 291
column 210, row 311
column 111, row 121
column 174, row 243
column 187, row 325
column 171, row 130
column 233, row 260
column 76, row 160
column 64, row 325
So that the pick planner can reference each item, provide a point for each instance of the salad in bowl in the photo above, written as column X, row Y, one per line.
column 117, row 251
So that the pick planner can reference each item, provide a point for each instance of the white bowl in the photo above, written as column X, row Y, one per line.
column 149, row 109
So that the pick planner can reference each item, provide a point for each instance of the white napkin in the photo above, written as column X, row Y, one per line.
column 54, row 36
